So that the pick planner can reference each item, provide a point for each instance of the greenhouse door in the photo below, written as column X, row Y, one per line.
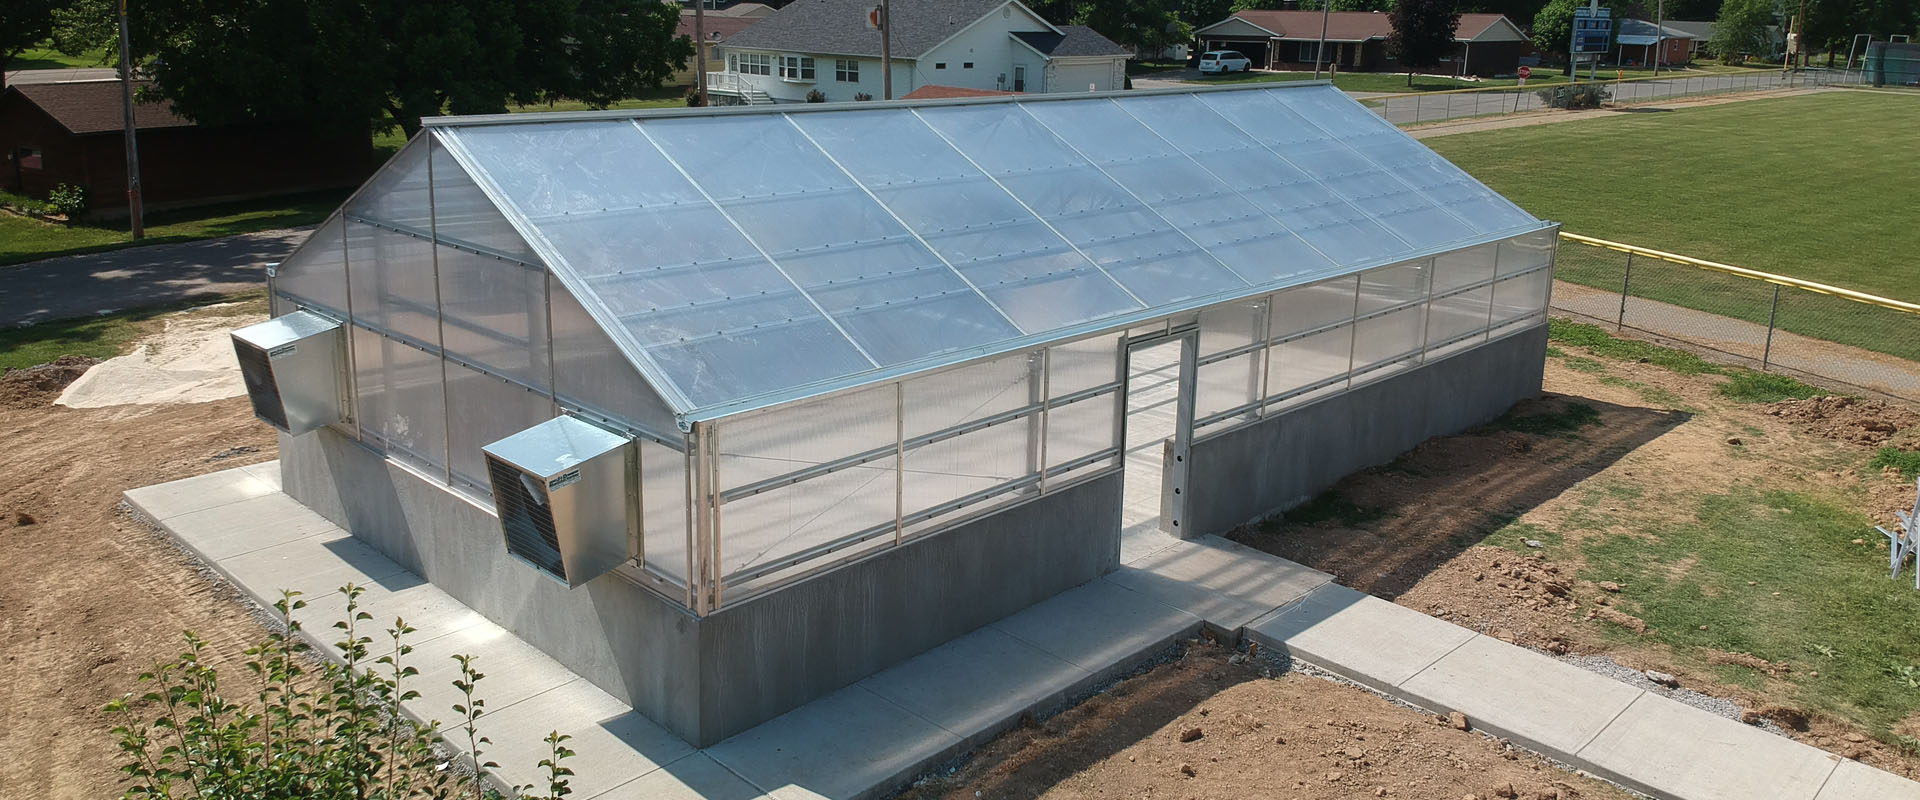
column 1159, row 424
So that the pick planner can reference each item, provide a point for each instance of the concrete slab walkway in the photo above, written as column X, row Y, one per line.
column 871, row 738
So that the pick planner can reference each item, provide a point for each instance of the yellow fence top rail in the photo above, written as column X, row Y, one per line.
column 1780, row 280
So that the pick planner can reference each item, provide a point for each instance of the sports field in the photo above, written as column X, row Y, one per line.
column 1820, row 187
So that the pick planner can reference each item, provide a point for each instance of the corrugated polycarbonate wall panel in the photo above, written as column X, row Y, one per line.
column 747, row 259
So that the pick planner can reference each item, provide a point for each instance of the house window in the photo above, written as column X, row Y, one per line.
column 1309, row 52
column 756, row 64
column 939, row 65
column 796, row 68
column 967, row 65
column 846, row 70
column 29, row 158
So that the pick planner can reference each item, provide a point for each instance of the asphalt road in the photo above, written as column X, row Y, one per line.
column 60, row 75
column 101, row 283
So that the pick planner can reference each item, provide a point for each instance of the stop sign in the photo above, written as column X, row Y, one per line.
column 1526, row 72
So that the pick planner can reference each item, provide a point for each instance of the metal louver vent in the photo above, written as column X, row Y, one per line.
column 526, row 517
column 566, row 496
column 256, row 369
column 294, row 367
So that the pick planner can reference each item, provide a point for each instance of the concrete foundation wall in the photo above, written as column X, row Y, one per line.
column 1274, row 464
column 708, row 678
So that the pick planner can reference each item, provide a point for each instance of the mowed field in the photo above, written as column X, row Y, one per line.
column 1819, row 187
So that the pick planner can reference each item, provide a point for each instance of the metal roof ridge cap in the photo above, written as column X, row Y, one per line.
column 611, row 114
column 765, row 400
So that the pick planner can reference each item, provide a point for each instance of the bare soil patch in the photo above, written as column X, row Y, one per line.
column 92, row 597
column 1210, row 725
column 1847, row 419
column 34, row 387
column 1451, row 528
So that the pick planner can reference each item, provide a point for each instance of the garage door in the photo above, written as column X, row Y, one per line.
column 1254, row 50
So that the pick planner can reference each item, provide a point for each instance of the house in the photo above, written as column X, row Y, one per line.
column 720, row 8
column 719, row 28
column 1637, row 41
column 55, row 133
column 828, row 46
column 1486, row 44
column 1698, row 34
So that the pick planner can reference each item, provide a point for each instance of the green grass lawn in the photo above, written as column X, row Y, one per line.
column 23, row 239
column 103, row 336
column 48, row 58
column 1811, row 187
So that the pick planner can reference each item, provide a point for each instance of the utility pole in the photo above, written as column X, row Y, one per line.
column 1320, row 53
column 133, row 149
column 1659, row 36
column 886, row 49
column 700, row 49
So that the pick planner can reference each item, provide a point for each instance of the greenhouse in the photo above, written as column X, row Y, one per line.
column 817, row 336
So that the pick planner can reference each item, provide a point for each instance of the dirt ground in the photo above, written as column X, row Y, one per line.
column 1211, row 725
column 1413, row 531
column 91, row 597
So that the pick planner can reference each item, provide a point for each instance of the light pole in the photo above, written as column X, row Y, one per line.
column 700, row 49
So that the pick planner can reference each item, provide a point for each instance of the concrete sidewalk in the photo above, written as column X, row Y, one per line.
column 871, row 738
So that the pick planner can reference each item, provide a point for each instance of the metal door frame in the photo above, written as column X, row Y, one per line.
column 1176, row 451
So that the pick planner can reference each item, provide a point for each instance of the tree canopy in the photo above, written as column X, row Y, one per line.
column 23, row 24
column 1422, row 33
column 355, row 64
column 1742, row 29
column 1553, row 26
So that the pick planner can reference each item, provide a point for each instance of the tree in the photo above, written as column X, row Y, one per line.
column 1742, row 29
column 1422, row 33
column 1146, row 25
column 1553, row 26
column 355, row 64
column 23, row 24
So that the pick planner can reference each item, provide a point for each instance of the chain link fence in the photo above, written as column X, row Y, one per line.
column 1411, row 109
column 1770, row 322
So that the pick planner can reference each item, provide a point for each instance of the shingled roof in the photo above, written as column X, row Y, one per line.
column 840, row 26
column 1072, row 40
column 94, row 106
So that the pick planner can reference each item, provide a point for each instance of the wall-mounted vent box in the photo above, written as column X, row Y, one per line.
column 567, row 498
column 295, row 370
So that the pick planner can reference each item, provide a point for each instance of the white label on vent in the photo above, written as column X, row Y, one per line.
column 283, row 350
column 563, row 480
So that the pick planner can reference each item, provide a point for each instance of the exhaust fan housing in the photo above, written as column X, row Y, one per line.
column 565, row 493
column 295, row 370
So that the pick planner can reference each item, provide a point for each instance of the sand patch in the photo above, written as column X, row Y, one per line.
column 189, row 361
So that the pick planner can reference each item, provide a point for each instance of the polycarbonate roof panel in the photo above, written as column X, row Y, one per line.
column 745, row 259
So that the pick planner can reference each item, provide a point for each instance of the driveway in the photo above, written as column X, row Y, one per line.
column 136, row 277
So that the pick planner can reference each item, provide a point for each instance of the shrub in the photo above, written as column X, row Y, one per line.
column 1573, row 96
column 68, row 200
column 693, row 97
column 334, row 732
column 861, row 97
column 816, row 96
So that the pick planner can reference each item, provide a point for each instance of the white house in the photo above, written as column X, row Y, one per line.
column 829, row 45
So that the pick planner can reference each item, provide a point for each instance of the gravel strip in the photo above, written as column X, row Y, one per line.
column 1718, row 706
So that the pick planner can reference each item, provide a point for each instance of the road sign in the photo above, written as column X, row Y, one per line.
column 1526, row 72
column 1592, row 30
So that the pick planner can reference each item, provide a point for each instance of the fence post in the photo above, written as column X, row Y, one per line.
column 1624, row 281
column 1766, row 355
